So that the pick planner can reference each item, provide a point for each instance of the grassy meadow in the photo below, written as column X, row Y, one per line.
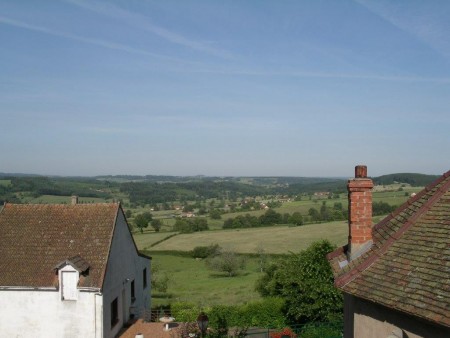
column 190, row 281
column 274, row 240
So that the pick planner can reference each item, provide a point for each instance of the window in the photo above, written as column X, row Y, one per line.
column 133, row 295
column 144, row 275
column 114, row 312
column 69, row 280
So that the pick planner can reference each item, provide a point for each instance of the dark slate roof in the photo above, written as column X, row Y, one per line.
column 35, row 238
column 408, row 266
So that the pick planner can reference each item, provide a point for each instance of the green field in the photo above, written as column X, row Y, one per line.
column 274, row 240
column 5, row 183
column 190, row 281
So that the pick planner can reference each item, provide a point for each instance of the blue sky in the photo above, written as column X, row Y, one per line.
column 239, row 88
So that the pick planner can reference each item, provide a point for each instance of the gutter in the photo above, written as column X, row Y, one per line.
column 29, row 288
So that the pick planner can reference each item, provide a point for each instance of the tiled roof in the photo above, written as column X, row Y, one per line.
column 408, row 266
column 35, row 238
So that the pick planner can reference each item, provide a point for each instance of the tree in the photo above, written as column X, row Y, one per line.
column 199, row 224
column 215, row 214
column 262, row 257
column 190, row 225
column 226, row 261
column 271, row 217
column 159, row 280
column 182, row 226
column 314, row 214
column 305, row 282
column 141, row 221
column 188, row 208
column 156, row 224
column 296, row 218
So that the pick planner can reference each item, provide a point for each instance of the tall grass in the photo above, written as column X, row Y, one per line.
column 190, row 281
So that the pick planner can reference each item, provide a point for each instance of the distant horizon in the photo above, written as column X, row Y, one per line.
column 5, row 174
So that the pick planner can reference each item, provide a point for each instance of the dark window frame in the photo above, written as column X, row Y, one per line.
column 133, row 290
column 114, row 312
column 144, row 276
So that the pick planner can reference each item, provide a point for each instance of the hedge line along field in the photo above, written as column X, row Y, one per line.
column 274, row 240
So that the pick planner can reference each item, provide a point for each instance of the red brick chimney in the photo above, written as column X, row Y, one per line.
column 359, row 213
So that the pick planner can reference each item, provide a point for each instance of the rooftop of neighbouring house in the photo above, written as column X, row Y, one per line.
column 149, row 330
column 35, row 238
column 408, row 266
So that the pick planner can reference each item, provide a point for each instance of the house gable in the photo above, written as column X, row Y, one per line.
column 125, row 294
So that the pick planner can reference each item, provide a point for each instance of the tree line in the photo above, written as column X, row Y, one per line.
column 324, row 214
column 36, row 186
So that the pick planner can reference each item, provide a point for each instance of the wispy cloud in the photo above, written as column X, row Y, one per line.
column 108, row 130
column 217, row 71
column 429, row 27
column 92, row 41
column 299, row 74
column 142, row 22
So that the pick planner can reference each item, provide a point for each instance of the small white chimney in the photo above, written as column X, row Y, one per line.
column 74, row 200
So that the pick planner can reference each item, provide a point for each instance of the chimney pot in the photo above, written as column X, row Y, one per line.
column 360, row 171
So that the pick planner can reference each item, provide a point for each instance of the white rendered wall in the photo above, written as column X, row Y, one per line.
column 124, row 265
column 44, row 314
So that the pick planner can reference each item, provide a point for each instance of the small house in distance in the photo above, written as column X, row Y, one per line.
column 396, row 275
column 69, row 271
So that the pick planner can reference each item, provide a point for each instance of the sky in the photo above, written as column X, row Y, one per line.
column 224, row 88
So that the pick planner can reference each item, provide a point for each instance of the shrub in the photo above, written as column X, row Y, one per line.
column 223, row 315
column 228, row 262
column 305, row 282
column 266, row 313
column 321, row 330
column 185, row 312
column 205, row 251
